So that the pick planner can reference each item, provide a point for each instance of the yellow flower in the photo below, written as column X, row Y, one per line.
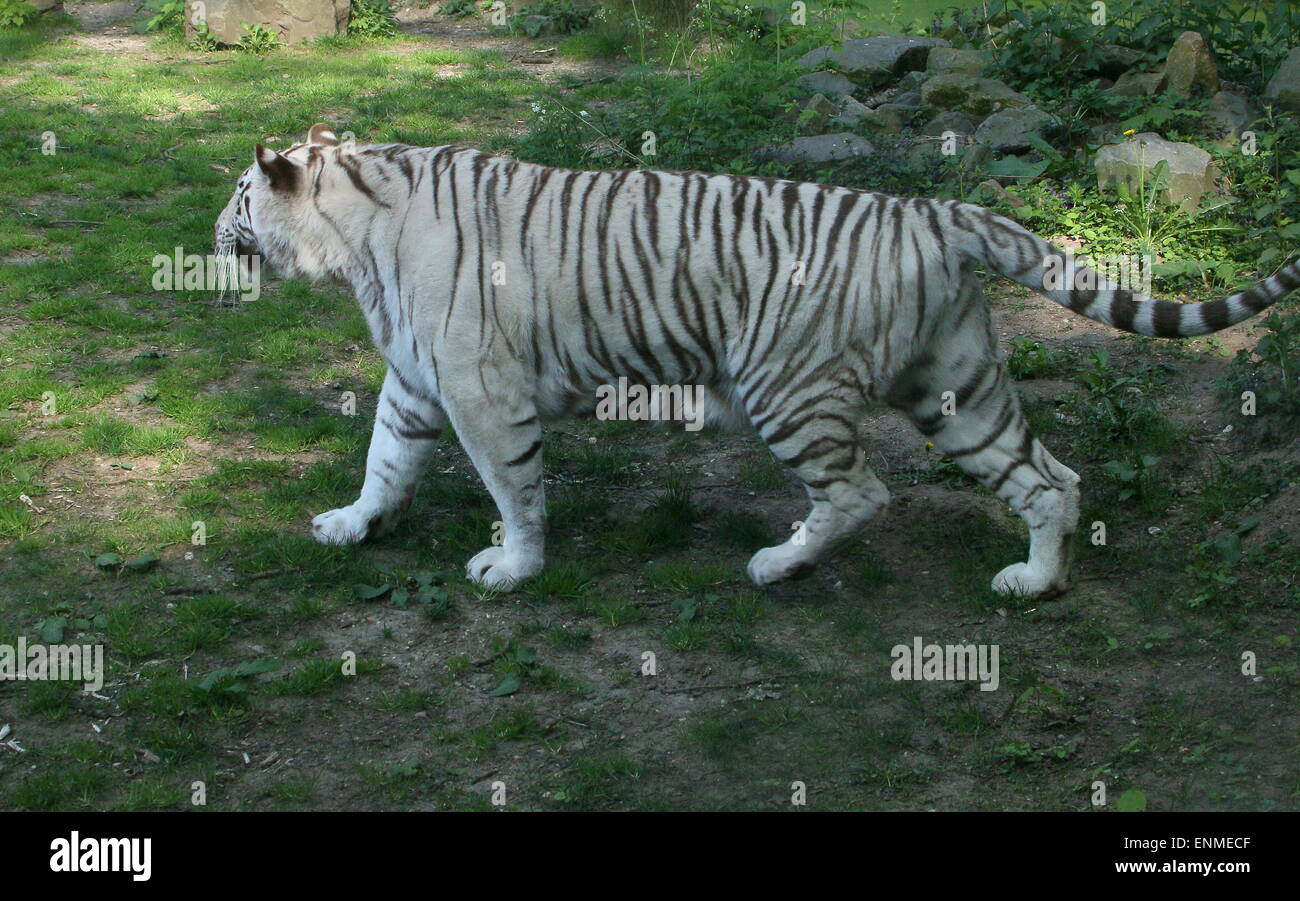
column 929, row 445
column 1131, row 131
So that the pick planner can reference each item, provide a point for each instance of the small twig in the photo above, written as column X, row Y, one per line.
column 186, row 589
column 720, row 685
column 73, row 222
column 266, row 574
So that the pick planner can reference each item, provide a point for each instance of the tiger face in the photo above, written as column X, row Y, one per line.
column 269, row 213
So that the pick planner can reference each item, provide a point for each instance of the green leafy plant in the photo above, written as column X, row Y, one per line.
column 16, row 13
column 1154, row 223
column 372, row 19
column 561, row 17
column 257, row 39
column 459, row 9
column 1029, row 359
column 168, row 16
column 1133, row 474
column 203, row 40
column 1272, row 368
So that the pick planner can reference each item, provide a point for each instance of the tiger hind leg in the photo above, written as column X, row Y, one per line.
column 821, row 444
column 960, row 396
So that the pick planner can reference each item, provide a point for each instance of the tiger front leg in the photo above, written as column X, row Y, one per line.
column 406, row 427
column 503, row 438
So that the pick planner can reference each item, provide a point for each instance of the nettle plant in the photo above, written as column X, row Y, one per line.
column 562, row 17
column 168, row 16
column 372, row 19
column 258, row 39
column 1270, row 370
column 16, row 13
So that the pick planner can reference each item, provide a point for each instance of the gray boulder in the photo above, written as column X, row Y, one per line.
column 945, row 60
column 911, row 81
column 993, row 188
column 1137, row 84
column 853, row 113
column 1284, row 87
column 1114, row 60
column 1191, row 169
column 293, row 20
column 892, row 117
column 820, row 149
column 873, row 61
column 816, row 113
column 1189, row 67
column 832, row 84
column 1009, row 130
column 971, row 94
column 957, row 123
column 1233, row 112
column 976, row 157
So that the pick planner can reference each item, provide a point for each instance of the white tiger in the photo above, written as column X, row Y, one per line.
column 675, row 278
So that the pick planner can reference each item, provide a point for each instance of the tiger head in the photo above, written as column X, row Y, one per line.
column 271, row 215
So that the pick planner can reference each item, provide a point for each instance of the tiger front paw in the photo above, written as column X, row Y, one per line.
column 350, row 525
column 775, row 564
column 1026, row 581
column 497, row 568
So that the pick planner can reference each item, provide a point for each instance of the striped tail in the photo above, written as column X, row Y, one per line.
column 1013, row 251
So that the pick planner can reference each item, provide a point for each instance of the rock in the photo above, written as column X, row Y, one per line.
column 853, row 113
column 1284, row 87
column 873, row 61
column 1189, row 67
column 957, row 123
column 976, row 155
column 945, row 60
column 911, row 99
column 47, row 6
column 1191, row 169
column 816, row 113
column 1137, row 84
column 820, row 149
column 994, row 189
column 892, row 117
column 1008, row 131
column 1234, row 112
column 833, row 84
column 971, row 94
column 1114, row 60
column 1106, row 133
column 925, row 153
column 911, row 81
column 293, row 20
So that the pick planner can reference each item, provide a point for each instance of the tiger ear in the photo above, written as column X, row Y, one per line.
column 278, row 171
column 322, row 134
